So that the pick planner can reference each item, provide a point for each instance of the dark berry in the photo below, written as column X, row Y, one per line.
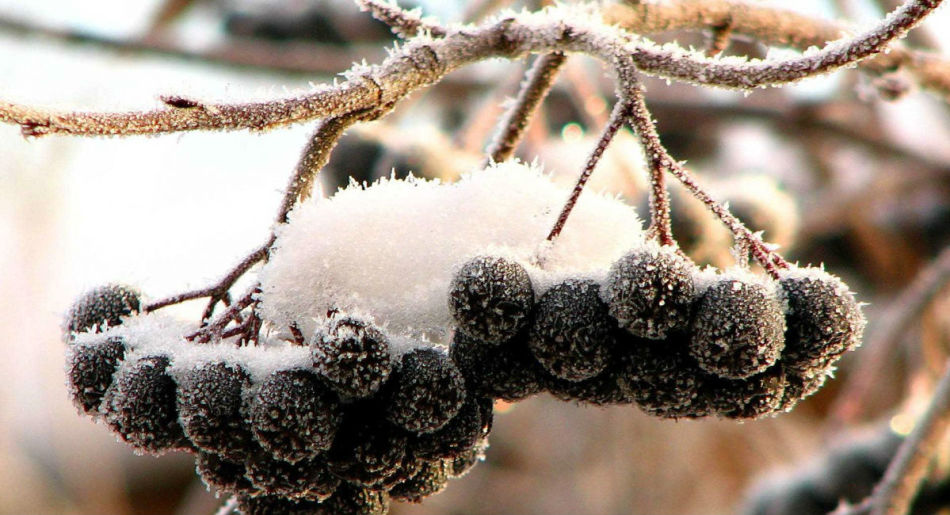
column 222, row 474
column 430, row 478
column 140, row 406
column 210, row 401
column 309, row 479
column 572, row 334
column 276, row 505
column 459, row 436
column 351, row 499
column 661, row 377
column 491, row 298
column 823, row 319
column 738, row 330
column 91, row 367
column 353, row 355
column 506, row 371
column 105, row 305
column 749, row 398
column 294, row 415
column 607, row 388
column 463, row 464
column 650, row 292
column 367, row 451
column 800, row 385
column 426, row 391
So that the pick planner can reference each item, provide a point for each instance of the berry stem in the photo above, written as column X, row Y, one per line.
column 617, row 118
column 536, row 86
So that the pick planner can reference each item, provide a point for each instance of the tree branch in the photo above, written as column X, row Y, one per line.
column 403, row 23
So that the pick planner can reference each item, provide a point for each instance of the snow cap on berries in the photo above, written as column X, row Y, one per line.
column 353, row 356
column 650, row 291
column 738, row 329
column 491, row 298
column 101, row 307
column 426, row 391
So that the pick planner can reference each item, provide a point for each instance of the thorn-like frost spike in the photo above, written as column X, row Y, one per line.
column 650, row 292
column 221, row 474
column 572, row 334
column 368, row 451
column 294, row 415
column 823, row 320
column 491, row 298
column 749, row 398
column 738, row 329
column 210, row 401
column 426, row 391
column 353, row 355
column 91, row 367
column 140, row 406
column 506, row 371
column 105, row 305
column 306, row 479
column 458, row 437
column 661, row 378
column 430, row 479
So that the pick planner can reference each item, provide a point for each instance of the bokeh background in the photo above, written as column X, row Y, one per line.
column 835, row 169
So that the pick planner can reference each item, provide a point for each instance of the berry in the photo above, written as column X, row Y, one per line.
column 276, row 505
column 607, row 388
column 799, row 385
column 459, row 436
column 306, row 479
column 506, row 371
column 222, row 474
column 426, row 392
column 367, row 451
column 140, row 406
column 738, row 330
column 90, row 371
column 572, row 334
column 823, row 320
column 661, row 377
column 461, row 465
column 351, row 499
column 353, row 355
column 431, row 478
column 749, row 398
column 294, row 415
column 105, row 305
column 491, row 298
column 650, row 292
column 209, row 400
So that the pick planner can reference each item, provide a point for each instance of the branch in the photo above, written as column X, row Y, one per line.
column 540, row 79
column 424, row 61
column 403, row 23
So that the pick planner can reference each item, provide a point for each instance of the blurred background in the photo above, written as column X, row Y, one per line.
column 848, row 171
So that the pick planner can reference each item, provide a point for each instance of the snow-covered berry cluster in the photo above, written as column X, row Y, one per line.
column 657, row 331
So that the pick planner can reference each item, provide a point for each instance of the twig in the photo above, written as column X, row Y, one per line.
column 893, row 495
column 642, row 122
column 403, row 23
column 424, row 61
column 617, row 119
column 538, row 83
column 855, row 394
column 214, row 330
column 720, row 37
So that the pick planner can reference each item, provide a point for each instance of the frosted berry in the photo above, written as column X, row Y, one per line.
column 572, row 334
column 276, row 505
column 800, row 385
column 353, row 355
column 368, row 451
column 294, row 415
column 426, row 392
column 738, row 330
column 430, row 478
column 309, row 479
column 491, row 298
column 605, row 389
column 506, row 371
column 459, row 436
column 661, row 378
column 463, row 464
column 823, row 320
column 140, row 406
column 749, row 398
column 351, row 499
column 105, row 305
column 222, row 474
column 90, row 371
column 650, row 292
column 210, row 402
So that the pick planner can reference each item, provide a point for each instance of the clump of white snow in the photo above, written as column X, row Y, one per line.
column 390, row 249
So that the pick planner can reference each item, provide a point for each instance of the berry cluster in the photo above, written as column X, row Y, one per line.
column 345, row 430
column 657, row 332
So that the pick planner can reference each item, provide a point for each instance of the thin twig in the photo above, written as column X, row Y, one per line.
column 512, row 125
column 893, row 495
column 642, row 123
column 617, row 119
column 720, row 37
column 214, row 329
column 403, row 23
column 856, row 393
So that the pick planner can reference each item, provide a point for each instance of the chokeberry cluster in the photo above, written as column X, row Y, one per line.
column 657, row 331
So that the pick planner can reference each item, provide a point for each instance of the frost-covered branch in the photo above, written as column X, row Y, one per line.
column 423, row 61
column 403, row 23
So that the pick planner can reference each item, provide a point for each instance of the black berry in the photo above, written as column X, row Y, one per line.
column 353, row 355
column 105, row 305
column 426, row 392
column 429, row 479
column 749, row 398
column 491, row 298
column 210, row 402
column 90, row 371
column 506, row 371
column 459, row 436
column 222, row 474
column 367, row 451
column 306, row 479
column 661, row 378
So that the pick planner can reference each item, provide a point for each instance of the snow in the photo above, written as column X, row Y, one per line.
column 389, row 250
